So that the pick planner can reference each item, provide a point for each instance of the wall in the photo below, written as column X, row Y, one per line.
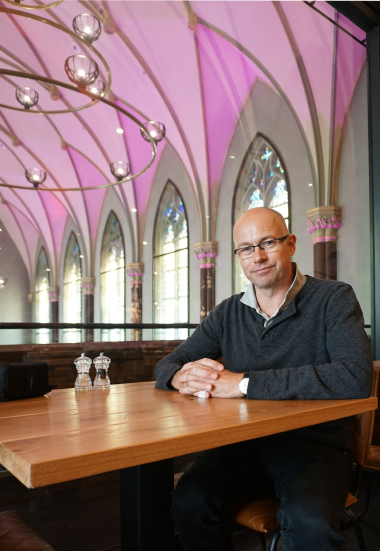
column 267, row 113
column 14, row 305
column 353, row 196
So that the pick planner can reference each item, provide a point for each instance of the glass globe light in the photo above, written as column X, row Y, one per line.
column 97, row 88
column 81, row 70
column 35, row 176
column 87, row 26
column 2, row 282
column 156, row 130
column 120, row 169
column 27, row 97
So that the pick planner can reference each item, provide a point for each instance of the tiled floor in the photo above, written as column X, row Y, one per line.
column 84, row 515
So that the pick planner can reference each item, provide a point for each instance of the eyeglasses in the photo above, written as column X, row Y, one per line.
column 247, row 252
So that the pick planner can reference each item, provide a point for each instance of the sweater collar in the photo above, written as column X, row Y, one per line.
column 249, row 297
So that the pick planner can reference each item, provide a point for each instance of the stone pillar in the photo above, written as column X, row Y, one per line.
column 136, row 272
column 207, row 251
column 54, row 311
column 88, row 286
column 323, row 224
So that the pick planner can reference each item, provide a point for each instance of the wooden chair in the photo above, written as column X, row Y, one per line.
column 15, row 535
column 260, row 513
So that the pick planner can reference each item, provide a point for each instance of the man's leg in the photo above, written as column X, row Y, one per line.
column 312, row 481
column 204, row 494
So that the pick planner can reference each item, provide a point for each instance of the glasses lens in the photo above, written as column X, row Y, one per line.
column 268, row 245
column 246, row 252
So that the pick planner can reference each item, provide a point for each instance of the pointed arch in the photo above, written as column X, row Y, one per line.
column 262, row 182
column 112, row 278
column 42, row 301
column 171, row 264
column 72, row 292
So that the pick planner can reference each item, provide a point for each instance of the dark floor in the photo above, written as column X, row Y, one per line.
column 83, row 515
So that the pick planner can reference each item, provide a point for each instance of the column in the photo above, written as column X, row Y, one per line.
column 135, row 271
column 88, row 286
column 323, row 224
column 207, row 251
column 54, row 311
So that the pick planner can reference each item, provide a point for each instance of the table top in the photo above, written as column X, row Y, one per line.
column 68, row 435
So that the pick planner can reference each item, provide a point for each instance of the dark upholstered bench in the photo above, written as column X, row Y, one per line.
column 15, row 535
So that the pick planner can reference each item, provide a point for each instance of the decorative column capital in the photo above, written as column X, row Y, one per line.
column 206, row 251
column 323, row 223
column 135, row 270
column 54, row 294
column 88, row 285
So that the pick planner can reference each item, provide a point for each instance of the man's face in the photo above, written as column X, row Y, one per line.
column 264, row 269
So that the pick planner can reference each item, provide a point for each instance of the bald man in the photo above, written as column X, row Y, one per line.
column 289, row 336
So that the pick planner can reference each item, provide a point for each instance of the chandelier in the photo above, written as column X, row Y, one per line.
column 120, row 169
column 121, row 178
column 87, row 26
column 27, row 97
column 98, row 88
column 82, row 79
column 35, row 176
column 156, row 130
column 81, row 70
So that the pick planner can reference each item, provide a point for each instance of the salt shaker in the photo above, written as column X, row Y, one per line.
column 83, row 380
column 101, row 378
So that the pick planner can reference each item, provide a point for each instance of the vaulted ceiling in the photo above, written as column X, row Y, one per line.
column 190, row 65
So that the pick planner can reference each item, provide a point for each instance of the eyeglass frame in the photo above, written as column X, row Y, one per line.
column 280, row 239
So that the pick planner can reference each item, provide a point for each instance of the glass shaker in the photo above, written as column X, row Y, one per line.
column 83, row 381
column 101, row 364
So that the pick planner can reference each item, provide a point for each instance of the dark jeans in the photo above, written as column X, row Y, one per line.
column 311, row 480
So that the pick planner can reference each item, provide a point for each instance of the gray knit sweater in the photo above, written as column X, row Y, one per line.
column 315, row 349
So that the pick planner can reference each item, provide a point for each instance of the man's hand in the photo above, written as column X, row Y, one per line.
column 209, row 376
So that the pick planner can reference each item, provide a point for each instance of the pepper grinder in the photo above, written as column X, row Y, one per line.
column 101, row 364
column 83, row 380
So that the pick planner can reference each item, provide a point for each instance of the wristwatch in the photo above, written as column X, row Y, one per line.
column 243, row 385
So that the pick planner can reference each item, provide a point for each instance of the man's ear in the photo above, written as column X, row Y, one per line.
column 291, row 242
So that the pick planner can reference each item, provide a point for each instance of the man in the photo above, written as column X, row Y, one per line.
column 287, row 337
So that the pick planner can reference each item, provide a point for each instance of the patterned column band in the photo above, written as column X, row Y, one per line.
column 136, row 271
column 88, row 285
column 207, row 251
column 54, row 294
column 323, row 223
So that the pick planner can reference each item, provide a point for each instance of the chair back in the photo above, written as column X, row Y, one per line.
column 376, row 427
column 364, row 425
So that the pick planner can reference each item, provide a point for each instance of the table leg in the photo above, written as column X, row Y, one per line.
column 145, row 493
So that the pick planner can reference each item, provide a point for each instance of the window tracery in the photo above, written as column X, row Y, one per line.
column 42, row 311
column 261, row 183
column 112, row 279
column 170, row 264
column 72, row 292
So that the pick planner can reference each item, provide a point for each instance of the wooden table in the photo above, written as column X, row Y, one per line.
column 136, row 428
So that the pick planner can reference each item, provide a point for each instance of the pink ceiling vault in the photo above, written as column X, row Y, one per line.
column 195, row 78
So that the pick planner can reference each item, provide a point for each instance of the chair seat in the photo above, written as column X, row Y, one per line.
column 260, row 513
column 373, row 458
column 15, row 535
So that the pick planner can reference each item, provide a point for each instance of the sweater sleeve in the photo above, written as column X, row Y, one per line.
column 349, row 373
column 203, row 343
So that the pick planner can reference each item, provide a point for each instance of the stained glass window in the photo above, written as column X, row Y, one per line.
column 42, row 312
column 72, row 292
column 170, row 265
column 261, row 183
column 112, row 279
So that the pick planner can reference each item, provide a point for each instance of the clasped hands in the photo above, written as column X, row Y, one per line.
column 209, row 376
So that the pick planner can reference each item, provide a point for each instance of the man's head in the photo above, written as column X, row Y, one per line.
column 265, row 269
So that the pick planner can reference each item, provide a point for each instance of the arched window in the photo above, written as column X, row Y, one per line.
column 170, row 264
column 42, row 297
column 112, row 279
column 261, row 183
column 72, row 292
